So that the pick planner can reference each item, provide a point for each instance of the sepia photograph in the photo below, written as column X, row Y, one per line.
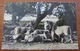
column 39, row 26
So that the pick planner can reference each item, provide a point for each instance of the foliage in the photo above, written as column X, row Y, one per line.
column 19, row 8
column 41, row 25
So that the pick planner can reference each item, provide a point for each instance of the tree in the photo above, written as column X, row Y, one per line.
column 69, row 18
column 70, row 15
column 42, row 14
column 19, row 9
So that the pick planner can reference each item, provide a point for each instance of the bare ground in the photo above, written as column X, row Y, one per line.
column 39, row 46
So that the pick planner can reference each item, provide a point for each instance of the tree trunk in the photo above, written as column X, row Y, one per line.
column 19, row 18
column 39, row 18
column 13, row 19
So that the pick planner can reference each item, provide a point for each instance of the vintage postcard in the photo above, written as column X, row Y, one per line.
column 40, row 26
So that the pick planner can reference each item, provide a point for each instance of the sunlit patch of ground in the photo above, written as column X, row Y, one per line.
column 39, row 46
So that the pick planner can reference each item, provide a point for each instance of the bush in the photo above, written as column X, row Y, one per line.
column 41, row 25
